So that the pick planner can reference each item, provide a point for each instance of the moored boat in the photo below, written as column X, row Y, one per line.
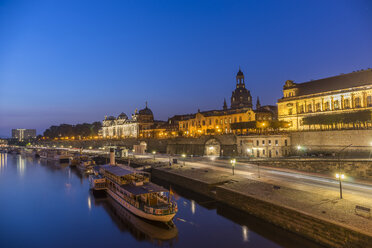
column 133, row 190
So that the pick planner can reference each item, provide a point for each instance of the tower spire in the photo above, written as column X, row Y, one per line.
column 258, row 104
column 224, row 104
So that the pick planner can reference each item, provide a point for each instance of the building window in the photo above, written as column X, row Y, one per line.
column 269, row 142
column 326, row 106
column 216, row 121
column 369, row 101
column 203, row 123
column 301, row 109
column 357, row 102
column 276, row 142
column 346, row 103
column 257, row 143
column 309, row 108
column 240, row 119
column 285, row 143
column 290, row 111
column 234, row 119
column 210, row 121
column 336, row 104
column 263, row 152
column 276, row 152
column 263, row 142
column 317, row 107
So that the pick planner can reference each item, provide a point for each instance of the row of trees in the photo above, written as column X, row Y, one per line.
column 67, row 130
column 259, row 125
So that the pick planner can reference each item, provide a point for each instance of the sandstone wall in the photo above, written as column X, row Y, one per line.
column 333, row 140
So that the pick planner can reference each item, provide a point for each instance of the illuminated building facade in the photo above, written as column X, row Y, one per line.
column 264, row 146
column 123, row 127
column 23, row 134
column 216, row 122
column 346, row 93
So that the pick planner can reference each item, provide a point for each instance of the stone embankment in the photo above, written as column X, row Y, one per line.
column 356, row 168
column 318, row 215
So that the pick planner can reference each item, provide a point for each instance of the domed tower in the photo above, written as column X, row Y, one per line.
column 241, row 97
column 145, row 115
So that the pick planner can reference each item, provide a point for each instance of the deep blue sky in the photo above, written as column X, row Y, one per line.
column 76, row 61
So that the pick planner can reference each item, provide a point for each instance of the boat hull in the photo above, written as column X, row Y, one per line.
column 138, row 212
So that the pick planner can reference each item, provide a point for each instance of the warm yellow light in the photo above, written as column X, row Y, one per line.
column 153, row 152
column 184, row 155
column 340, row 175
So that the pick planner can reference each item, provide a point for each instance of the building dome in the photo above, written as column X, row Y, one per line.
column 122, row 116
column 145, row 111
column 145, row 115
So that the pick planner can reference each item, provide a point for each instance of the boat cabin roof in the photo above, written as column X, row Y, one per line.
column 116, row 170
column 146, row 188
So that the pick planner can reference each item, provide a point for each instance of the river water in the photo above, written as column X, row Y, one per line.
column 43, row 204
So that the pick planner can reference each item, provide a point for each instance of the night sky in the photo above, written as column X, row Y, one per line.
column 77, row 61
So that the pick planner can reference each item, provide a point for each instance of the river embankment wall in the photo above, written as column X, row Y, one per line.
column 324, row 231
column 355, row 168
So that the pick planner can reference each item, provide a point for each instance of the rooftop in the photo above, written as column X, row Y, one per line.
column 343, row 81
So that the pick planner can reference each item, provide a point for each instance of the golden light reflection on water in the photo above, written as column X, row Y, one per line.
column 245, row 234
column 89, row 203
column 21, row 166
column 192, row 206
column 3, row 161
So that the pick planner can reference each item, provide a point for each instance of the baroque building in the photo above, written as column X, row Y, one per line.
column 123, row 127
column 241, row 97
column 220, row 121
column 342, row 94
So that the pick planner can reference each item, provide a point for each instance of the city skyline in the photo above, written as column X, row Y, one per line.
column 83, row 67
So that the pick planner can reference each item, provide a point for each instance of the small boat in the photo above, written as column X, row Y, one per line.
column 86, row 165
column 133, row 190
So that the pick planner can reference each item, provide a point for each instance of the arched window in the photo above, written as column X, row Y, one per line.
column 369, row 101
column 346, row 103
column 317, row 107
column 336, row 104
column 357, row 102
column 326, row 106
column 309, row 108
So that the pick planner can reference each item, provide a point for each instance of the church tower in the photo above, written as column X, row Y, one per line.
column 241, row 97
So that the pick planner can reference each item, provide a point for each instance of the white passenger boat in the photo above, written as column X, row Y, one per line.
column 133, row 190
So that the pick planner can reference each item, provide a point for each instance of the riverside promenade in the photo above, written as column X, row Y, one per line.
column 315, row 213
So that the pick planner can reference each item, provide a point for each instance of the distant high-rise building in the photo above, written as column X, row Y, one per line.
column 22, row 134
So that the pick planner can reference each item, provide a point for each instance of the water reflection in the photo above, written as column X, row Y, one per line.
column 21, row 166
column 192, row 206
column 141, row 229
column 245, row 234
column 3, row 161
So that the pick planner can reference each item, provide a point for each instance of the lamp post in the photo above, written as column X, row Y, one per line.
column 340, row 177
column 154, row 152
column 233, row 162
column 184, row 158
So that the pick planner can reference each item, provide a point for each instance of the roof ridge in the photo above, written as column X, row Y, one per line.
column 340, row 75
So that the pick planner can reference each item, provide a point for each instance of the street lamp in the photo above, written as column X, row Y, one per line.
column 340, row 177
column 184, row 158
column 154, row 152
column 233, row 162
